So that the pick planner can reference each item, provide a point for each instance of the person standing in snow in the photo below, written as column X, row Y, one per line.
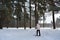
column 38, row 29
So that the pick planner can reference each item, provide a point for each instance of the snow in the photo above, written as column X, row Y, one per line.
column 48, row 17
column 29, row 34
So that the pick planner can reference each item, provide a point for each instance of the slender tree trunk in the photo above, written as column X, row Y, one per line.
column 43, row 19
column 24, row 16
column 0, row 21
column 2, row 17
column 36, row 13
column 18, row 15
column 30, row 13
column 52, row 4
column 53, row 20
column 17, row 19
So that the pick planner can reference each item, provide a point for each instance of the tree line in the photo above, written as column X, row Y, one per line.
column 18, row 8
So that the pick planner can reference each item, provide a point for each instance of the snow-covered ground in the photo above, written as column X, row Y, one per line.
column 29, row 34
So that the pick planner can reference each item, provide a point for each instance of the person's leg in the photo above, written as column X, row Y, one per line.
column 39, row 33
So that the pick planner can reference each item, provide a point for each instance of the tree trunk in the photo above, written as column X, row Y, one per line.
column 2, row 18
column 0, row 23
column 43, row 19
column 53, row 20
column 24, row 16
column 36, row 13
column 30, row 13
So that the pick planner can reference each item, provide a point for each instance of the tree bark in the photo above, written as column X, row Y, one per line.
column 24, row 16
column 53, row 20
column 30, row 13
column 36, row 13
column 2, row 17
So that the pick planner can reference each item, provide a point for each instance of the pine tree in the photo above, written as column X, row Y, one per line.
column 53, row 8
